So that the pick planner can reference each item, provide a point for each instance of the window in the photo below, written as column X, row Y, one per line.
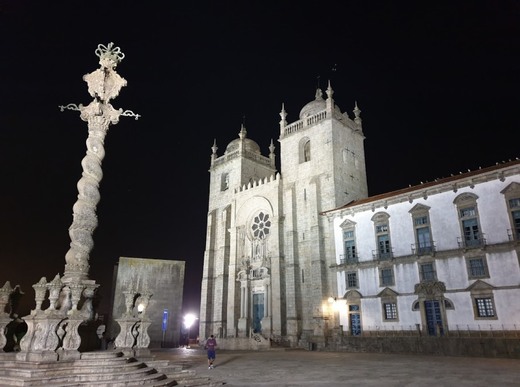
column 468, row 216
column 382, row 231
column 477, row 267
column 389, row 305
column 427, row 271
column 304, row 150
column 224, row 181
column 261, row 226
column 483, row 302
column 485, row 307
column 349, row 243
column 386, row 276
column 421, row 223
column 515, row 216
column 390, row 311
column 352, row 281
column 512, row 196
column 307, row 151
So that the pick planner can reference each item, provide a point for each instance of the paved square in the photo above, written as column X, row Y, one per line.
column 305, row 368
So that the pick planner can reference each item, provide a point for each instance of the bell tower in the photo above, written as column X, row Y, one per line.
column 323, row 167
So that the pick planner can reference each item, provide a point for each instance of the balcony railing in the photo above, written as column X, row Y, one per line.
column 423, row 248
column 348, row 259
column 467, row 243
column 382, row 255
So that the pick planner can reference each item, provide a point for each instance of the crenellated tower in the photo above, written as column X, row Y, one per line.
column 268, row 250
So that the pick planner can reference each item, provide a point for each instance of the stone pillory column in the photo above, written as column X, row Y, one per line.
column 54, row 333
column 104, row 84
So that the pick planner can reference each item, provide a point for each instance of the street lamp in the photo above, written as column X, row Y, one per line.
column 189, row 319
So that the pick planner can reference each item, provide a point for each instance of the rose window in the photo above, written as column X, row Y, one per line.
column 261, row 226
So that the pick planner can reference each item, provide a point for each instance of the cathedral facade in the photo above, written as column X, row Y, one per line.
column 268, row 250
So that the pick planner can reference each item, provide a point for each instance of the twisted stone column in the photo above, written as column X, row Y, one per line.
column 104, row 84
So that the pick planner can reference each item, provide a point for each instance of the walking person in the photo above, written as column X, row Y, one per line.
column 211, row 343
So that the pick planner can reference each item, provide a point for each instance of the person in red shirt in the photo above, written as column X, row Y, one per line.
column 211, row 343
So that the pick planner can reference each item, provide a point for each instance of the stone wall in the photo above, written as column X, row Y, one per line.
column 499, row 347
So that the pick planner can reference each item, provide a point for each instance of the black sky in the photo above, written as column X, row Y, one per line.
column 438, row 84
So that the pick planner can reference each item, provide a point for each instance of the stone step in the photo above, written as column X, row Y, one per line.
column 104, row 368
column 152, row 383
column 76, row 368
column 105, row 354
column 138, row 376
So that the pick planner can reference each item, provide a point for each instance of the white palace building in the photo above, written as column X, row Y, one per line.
column 304, row 257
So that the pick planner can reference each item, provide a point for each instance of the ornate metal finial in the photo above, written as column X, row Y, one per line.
column 109, row 56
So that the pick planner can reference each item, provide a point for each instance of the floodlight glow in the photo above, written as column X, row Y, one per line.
column 189, row 319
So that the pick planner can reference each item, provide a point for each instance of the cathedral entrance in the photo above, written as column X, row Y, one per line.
column 258, row 312
column 434, row 324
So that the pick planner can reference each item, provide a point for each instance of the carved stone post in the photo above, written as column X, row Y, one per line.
column 5, row 292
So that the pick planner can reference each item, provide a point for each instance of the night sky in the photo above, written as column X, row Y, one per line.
column 438, row 84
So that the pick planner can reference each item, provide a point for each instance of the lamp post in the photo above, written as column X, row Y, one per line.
column 189, row 319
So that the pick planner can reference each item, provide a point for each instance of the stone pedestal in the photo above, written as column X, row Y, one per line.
column 41, row 340
column 127, row 337
column 4, row 320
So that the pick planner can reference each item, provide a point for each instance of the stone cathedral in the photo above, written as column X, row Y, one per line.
column 268, row 251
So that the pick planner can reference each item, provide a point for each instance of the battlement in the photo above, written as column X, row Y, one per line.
column 273, row 178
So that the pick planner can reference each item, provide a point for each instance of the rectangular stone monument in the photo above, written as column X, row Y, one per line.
column 164, row 279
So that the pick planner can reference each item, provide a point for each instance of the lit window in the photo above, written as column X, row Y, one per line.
column 390, row 309
column 485, row 307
